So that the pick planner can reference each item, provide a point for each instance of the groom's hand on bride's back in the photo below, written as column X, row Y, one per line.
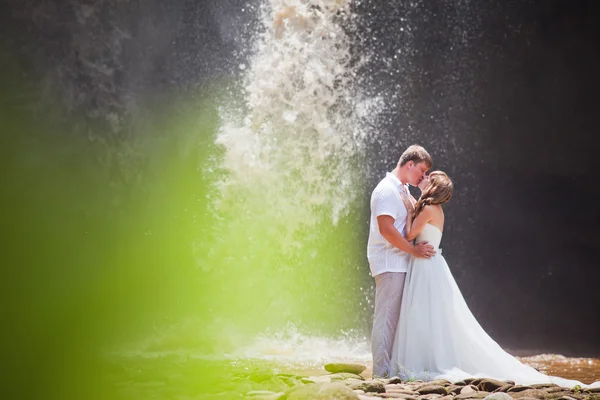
column 424, row 250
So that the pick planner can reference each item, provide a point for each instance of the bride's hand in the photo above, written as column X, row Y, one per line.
column 408, row 204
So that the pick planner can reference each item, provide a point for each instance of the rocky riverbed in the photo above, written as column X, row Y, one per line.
column 346, row 383
column 186, row 378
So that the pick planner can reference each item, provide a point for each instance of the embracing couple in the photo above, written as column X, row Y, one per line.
column 422, row 326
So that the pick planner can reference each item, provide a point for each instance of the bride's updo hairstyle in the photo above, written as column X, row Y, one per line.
column 438, row 191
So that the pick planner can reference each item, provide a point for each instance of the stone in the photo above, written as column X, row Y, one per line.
column 454, row 389
column 535, row 393
column 440, row 382
column 468, row 389
column 498, row 396
column 519, row 388
column 504, row 388
column 473, row 395
column 432, row 389
column 489, row 385
column 373, row 387
column 566, row 398
column 352, row 381
column 340, row 367
column 544, row 385
column 403, row 391
column 395, row 380
column 392, row 395
column 557, row 389
column 323, row 391
column 344, row 375
column 259, row 393
column 321, row 378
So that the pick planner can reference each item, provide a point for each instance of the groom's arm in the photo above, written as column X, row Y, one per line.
column 392, row 235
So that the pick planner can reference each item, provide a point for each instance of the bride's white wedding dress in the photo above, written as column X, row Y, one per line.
column 439, row 338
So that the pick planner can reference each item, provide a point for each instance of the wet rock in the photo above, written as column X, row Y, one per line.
column 528, row 398
column 431, row 396
column 544, row 385
column 472, row 395
column 392, row 387
column 373, row 387
column 576, row 395
column 231, row 396
column 489, row 385
column 566, row 398
column 321, row 378
column 394, row 380
column 392, row 395
column 323, row 391
column 344, row 375
column 518, row 388
column 432, row 389
column 350, row 368
column 498, row 396
column 259, row 393
column 264, row 395
column 402, row 391
column 468, row 389
column 504, row 388
column 558, row 389
column 454, row 389
column 558, row 393
column 441, row 382
column 535, row 393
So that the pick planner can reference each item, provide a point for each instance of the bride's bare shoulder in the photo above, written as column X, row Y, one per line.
column 433, row 209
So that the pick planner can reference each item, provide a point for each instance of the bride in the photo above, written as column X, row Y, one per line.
column 438, row 337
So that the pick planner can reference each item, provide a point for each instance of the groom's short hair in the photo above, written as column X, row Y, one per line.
column 416, row 154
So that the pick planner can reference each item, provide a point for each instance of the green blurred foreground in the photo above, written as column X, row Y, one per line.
column 112, row 237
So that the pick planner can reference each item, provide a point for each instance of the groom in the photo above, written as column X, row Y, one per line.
column 389, row 252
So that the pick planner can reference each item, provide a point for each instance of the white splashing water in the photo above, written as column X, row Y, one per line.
column 292, row 347
column 289, row 151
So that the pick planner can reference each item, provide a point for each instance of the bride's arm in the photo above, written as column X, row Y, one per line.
column 419, row 223
column 409, row 205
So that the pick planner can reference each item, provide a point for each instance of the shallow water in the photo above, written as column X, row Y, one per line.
column 260, row 363
column 586, row 370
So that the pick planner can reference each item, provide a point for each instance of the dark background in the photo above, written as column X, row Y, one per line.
column 504, row 94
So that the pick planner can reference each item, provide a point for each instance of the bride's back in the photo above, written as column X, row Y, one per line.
column 432, row 232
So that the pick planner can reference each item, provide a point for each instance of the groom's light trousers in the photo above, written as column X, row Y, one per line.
column 389, row 287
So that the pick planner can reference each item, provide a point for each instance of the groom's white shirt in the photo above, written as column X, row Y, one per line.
column 385, row 200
